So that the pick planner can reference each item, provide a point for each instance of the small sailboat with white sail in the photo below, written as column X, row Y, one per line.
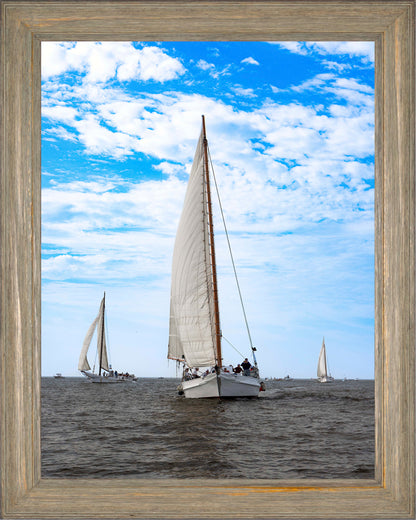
column 322, row 371
column 194, row 328
column 105, row 373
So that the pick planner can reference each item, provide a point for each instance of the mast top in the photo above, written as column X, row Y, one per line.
column 203, row 127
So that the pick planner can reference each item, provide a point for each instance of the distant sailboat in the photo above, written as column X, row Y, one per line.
column 105, row 373
column 194, row 331
column 322, row 371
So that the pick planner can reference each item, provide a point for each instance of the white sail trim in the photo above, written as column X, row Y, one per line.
column 322, row 369
column 83, row 361
column 192, row 328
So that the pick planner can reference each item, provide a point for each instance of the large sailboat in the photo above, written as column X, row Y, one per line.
column 194, row 328
column 322, row 370
column 105, row 373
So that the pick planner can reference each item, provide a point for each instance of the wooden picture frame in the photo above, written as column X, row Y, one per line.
column 390, row 24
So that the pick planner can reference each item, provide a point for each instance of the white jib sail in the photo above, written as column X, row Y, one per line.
column 192, row 327
column 97, row 323
column 322, row 370
column 83, row 361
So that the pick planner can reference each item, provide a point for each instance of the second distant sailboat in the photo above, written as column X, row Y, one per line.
column 105, row 372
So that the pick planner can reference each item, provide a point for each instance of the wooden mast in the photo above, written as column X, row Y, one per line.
column 212, row 247
column 102, row 336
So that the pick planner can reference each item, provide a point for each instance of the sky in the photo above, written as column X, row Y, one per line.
column 290, row 127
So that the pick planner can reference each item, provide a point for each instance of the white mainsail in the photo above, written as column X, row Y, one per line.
column 322, row 368
column 192, row 332
column 98, row 324
column 101, row 341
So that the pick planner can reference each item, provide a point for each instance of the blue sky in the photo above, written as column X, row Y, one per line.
column 291, row 133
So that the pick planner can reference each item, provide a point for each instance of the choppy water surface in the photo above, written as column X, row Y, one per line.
column 295, row 429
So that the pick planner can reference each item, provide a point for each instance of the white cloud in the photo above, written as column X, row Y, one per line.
column 100, row 140
column 318, row 81
column 204, row 65
column 353, row 84
column 59, row 132
column 243, row 92
column 250, row 61
column 295, row 47
column 356, row 94
column 211, row 69
column 150, row 63
column 105, row 233
column 54, row 59
column 333, row 65
column 102, row 61
column 169, row 168
column 363, row 50
column 59, row 112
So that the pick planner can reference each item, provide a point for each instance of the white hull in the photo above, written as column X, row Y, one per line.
column 95, row 378
column 326, row 379
column 222, row 385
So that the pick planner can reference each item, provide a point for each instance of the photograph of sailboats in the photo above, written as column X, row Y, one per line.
column 215, row 201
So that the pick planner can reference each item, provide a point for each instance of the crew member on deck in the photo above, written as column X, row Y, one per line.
column 246, row 367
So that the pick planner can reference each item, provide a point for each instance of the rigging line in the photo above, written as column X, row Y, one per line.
column 231, row 254
column 229, row 342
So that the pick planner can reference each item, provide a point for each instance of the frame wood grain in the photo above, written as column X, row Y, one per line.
column 390, row 24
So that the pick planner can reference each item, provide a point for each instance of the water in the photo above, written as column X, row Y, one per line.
column 295, row 429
